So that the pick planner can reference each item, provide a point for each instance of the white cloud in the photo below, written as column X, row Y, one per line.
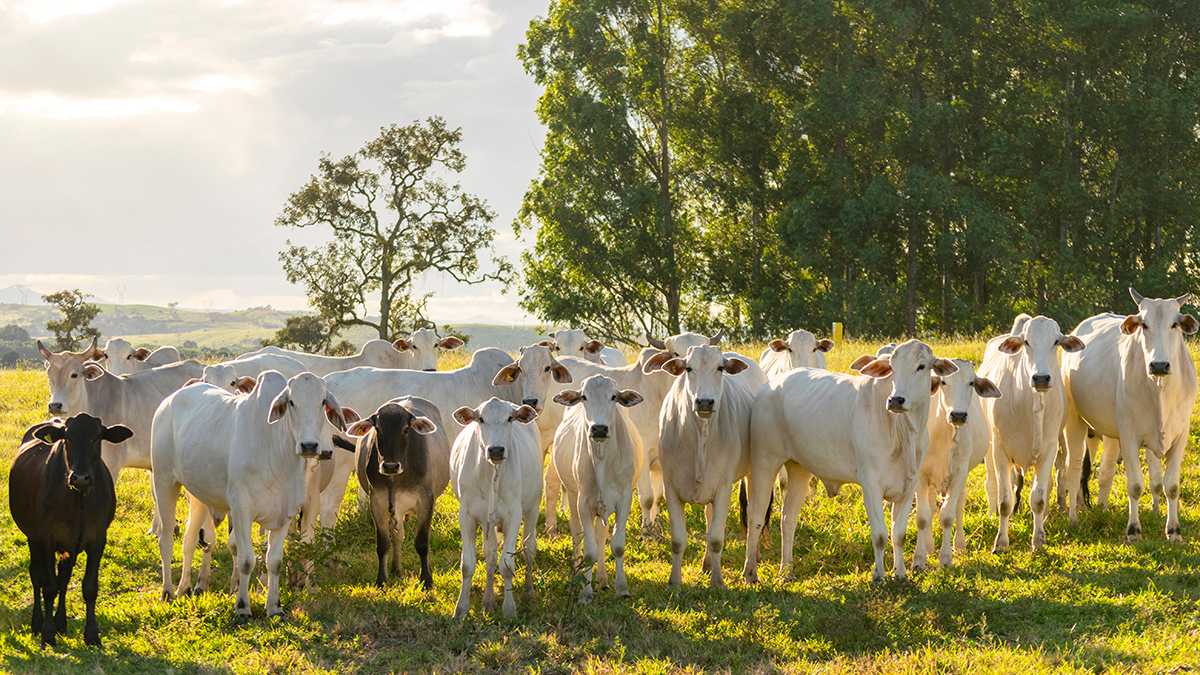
column 214, row 83
column 62, row 108
column 44, row 11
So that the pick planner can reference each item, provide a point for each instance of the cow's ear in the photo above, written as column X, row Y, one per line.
column 525, row 414
column 944, row 367
column 934, row 383
column 656, row 362
column 194, row 380
column 423, row 425
column 141, row 354
column 350, row 415
column 117, row 433
column 861, row 362
column 244, row 384
column 1071, row 343
column 879, row 368
column 1188, row 323
column 629, row 398
column 402, row 345
column 554, row 335
column 361, row 427
column 92, row 370
column 675, row 366
column 547, row 343
column 46, row 353
column 824, row 345
column 1130, row 325
column 51, row 433
column 594, row 347
column 465, row 415
column 333, row 412
column 560, row 372
column 734, row 365
column 278, row 407
column 777, row 345
column 568, row 397
column 507, row 375
column 451, row 343
column 986, row 388
column 1011, row 344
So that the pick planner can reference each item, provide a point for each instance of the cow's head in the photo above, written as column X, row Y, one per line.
column 957, row 389
column 227, row 378
column 703, row 370
column 1158, row 328
column 802, row 348
column 393, row 425
column 493, row 430
column 1035, row 342
column 68, row 372
column 81, row 435
column 123, row 359
column 678, row 345
column 424, row 344
column 911, row 366
column 599, row 397
column 577, row 343
column 311, row 412
column 532, row 371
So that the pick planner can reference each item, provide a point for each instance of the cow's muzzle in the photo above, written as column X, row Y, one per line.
column 495, row 453
column 958, row 418
column 1040, row 382
column 308, row 449
column 896, row 404
column 325, row 455
column 704, row 407
column 599, row 432
column 1160, row 368
column 390, row 468
column 55, row 409
column 80, row 481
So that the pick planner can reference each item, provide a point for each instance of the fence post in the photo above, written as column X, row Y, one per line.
column 837, row 334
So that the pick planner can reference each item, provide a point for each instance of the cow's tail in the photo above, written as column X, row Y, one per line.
column 744, row 503
column 1085, row 477
column 1020, row 482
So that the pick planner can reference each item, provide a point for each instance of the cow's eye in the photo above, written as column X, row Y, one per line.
column 547, row 369
column 1175, row 325
column 292, row 403
column 920, row 367
column 688, row 369
column 510, row 418
column 614, row 397
column 74, row 375
column 720, row 369
column 582, row 398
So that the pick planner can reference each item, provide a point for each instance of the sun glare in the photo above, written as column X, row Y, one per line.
column 55, row 107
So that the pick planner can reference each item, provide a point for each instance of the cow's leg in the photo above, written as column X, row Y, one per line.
column 529, row 535
column 1174, row 462
column 421, row 540
column 1040, row 493
column 489, row 561
column 308, row 519
column 1075, row 432
column 552, row 488
column 49, row 588
column 383, row 543
column 206, row 551
column 706, row 562
column 335, row 492
column 716, row 532
column 91, row 590
column 576, row 525
column 659, row 487
column 587, row 561
column 924, row 524
column 600, row 536
column 1154, row 470
column 960, row 535
column 65, row 567
column 1135, row 483
column 166, row 494
column 618, row 544
column 274, row 566
column 467, row 529
column 930, row 541
column 508, row 560
column 36, row 570
column 1003, row 480
column 243, row 531
column 197, row 515
column 901, row 510
column 675, row 513
column 645, row 490
column 1058, row 478
column 989, row 483
column 873, row 501
column 793, row 500
column 396, row 523
column 1108, row 469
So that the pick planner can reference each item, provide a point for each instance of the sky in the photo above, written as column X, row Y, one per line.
column 151, row 144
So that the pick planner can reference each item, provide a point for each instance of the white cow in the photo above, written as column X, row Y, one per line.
column 374, row 354
column 490, row 373
column 801, row 350
column 252, row 366
column 598, row 455
column 123, row 359
column 677, row 345
column 704, row 447
column 958, row 442
column 232, row 453
column 496, row 473
column 844, row 429
column 653, row 386
column 1027, row 422
column 577, row 343
column 1135, row 386
column 424, row 344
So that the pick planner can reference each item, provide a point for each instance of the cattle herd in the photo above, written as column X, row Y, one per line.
column 275, row 434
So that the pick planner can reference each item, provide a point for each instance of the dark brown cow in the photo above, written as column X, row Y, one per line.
column 61, row 495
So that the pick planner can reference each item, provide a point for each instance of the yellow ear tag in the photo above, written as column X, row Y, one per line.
column 509, row 378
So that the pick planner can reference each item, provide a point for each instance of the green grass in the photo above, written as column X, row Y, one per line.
column 1088, row 603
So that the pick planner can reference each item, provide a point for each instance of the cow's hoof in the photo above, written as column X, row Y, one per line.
column 999, row 549
column 585, row 599
column 918, row 566
column 510, row 607
column 750, row 578
column 946, row 561
column 49, row 640
column 241, row 619
column 200, row 590
column 276, row 615
column 185, row 593
column 92, row 639
column 1133, row 533
column 489, row 605
column 167, row 597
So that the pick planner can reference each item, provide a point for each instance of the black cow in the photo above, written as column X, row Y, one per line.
column 404, row 465
column 61, row 495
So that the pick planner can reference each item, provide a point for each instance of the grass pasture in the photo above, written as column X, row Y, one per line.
column 1088, row 603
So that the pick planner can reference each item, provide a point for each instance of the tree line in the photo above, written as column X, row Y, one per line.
column 902, row 166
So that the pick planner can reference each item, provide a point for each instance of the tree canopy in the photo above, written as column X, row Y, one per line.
column 902, row 166
column 77, row 318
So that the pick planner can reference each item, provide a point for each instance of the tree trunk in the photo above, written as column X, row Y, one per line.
column 385, row 293
column 910, row 317
column 664, row 182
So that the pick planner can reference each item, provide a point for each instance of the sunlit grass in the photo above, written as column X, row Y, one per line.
column 1088, row 603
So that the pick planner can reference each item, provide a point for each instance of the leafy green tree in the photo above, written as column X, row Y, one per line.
column 302, row 333
column 77, row 318
column 393, row 216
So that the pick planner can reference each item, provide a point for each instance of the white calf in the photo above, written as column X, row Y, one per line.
column 801, row 350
